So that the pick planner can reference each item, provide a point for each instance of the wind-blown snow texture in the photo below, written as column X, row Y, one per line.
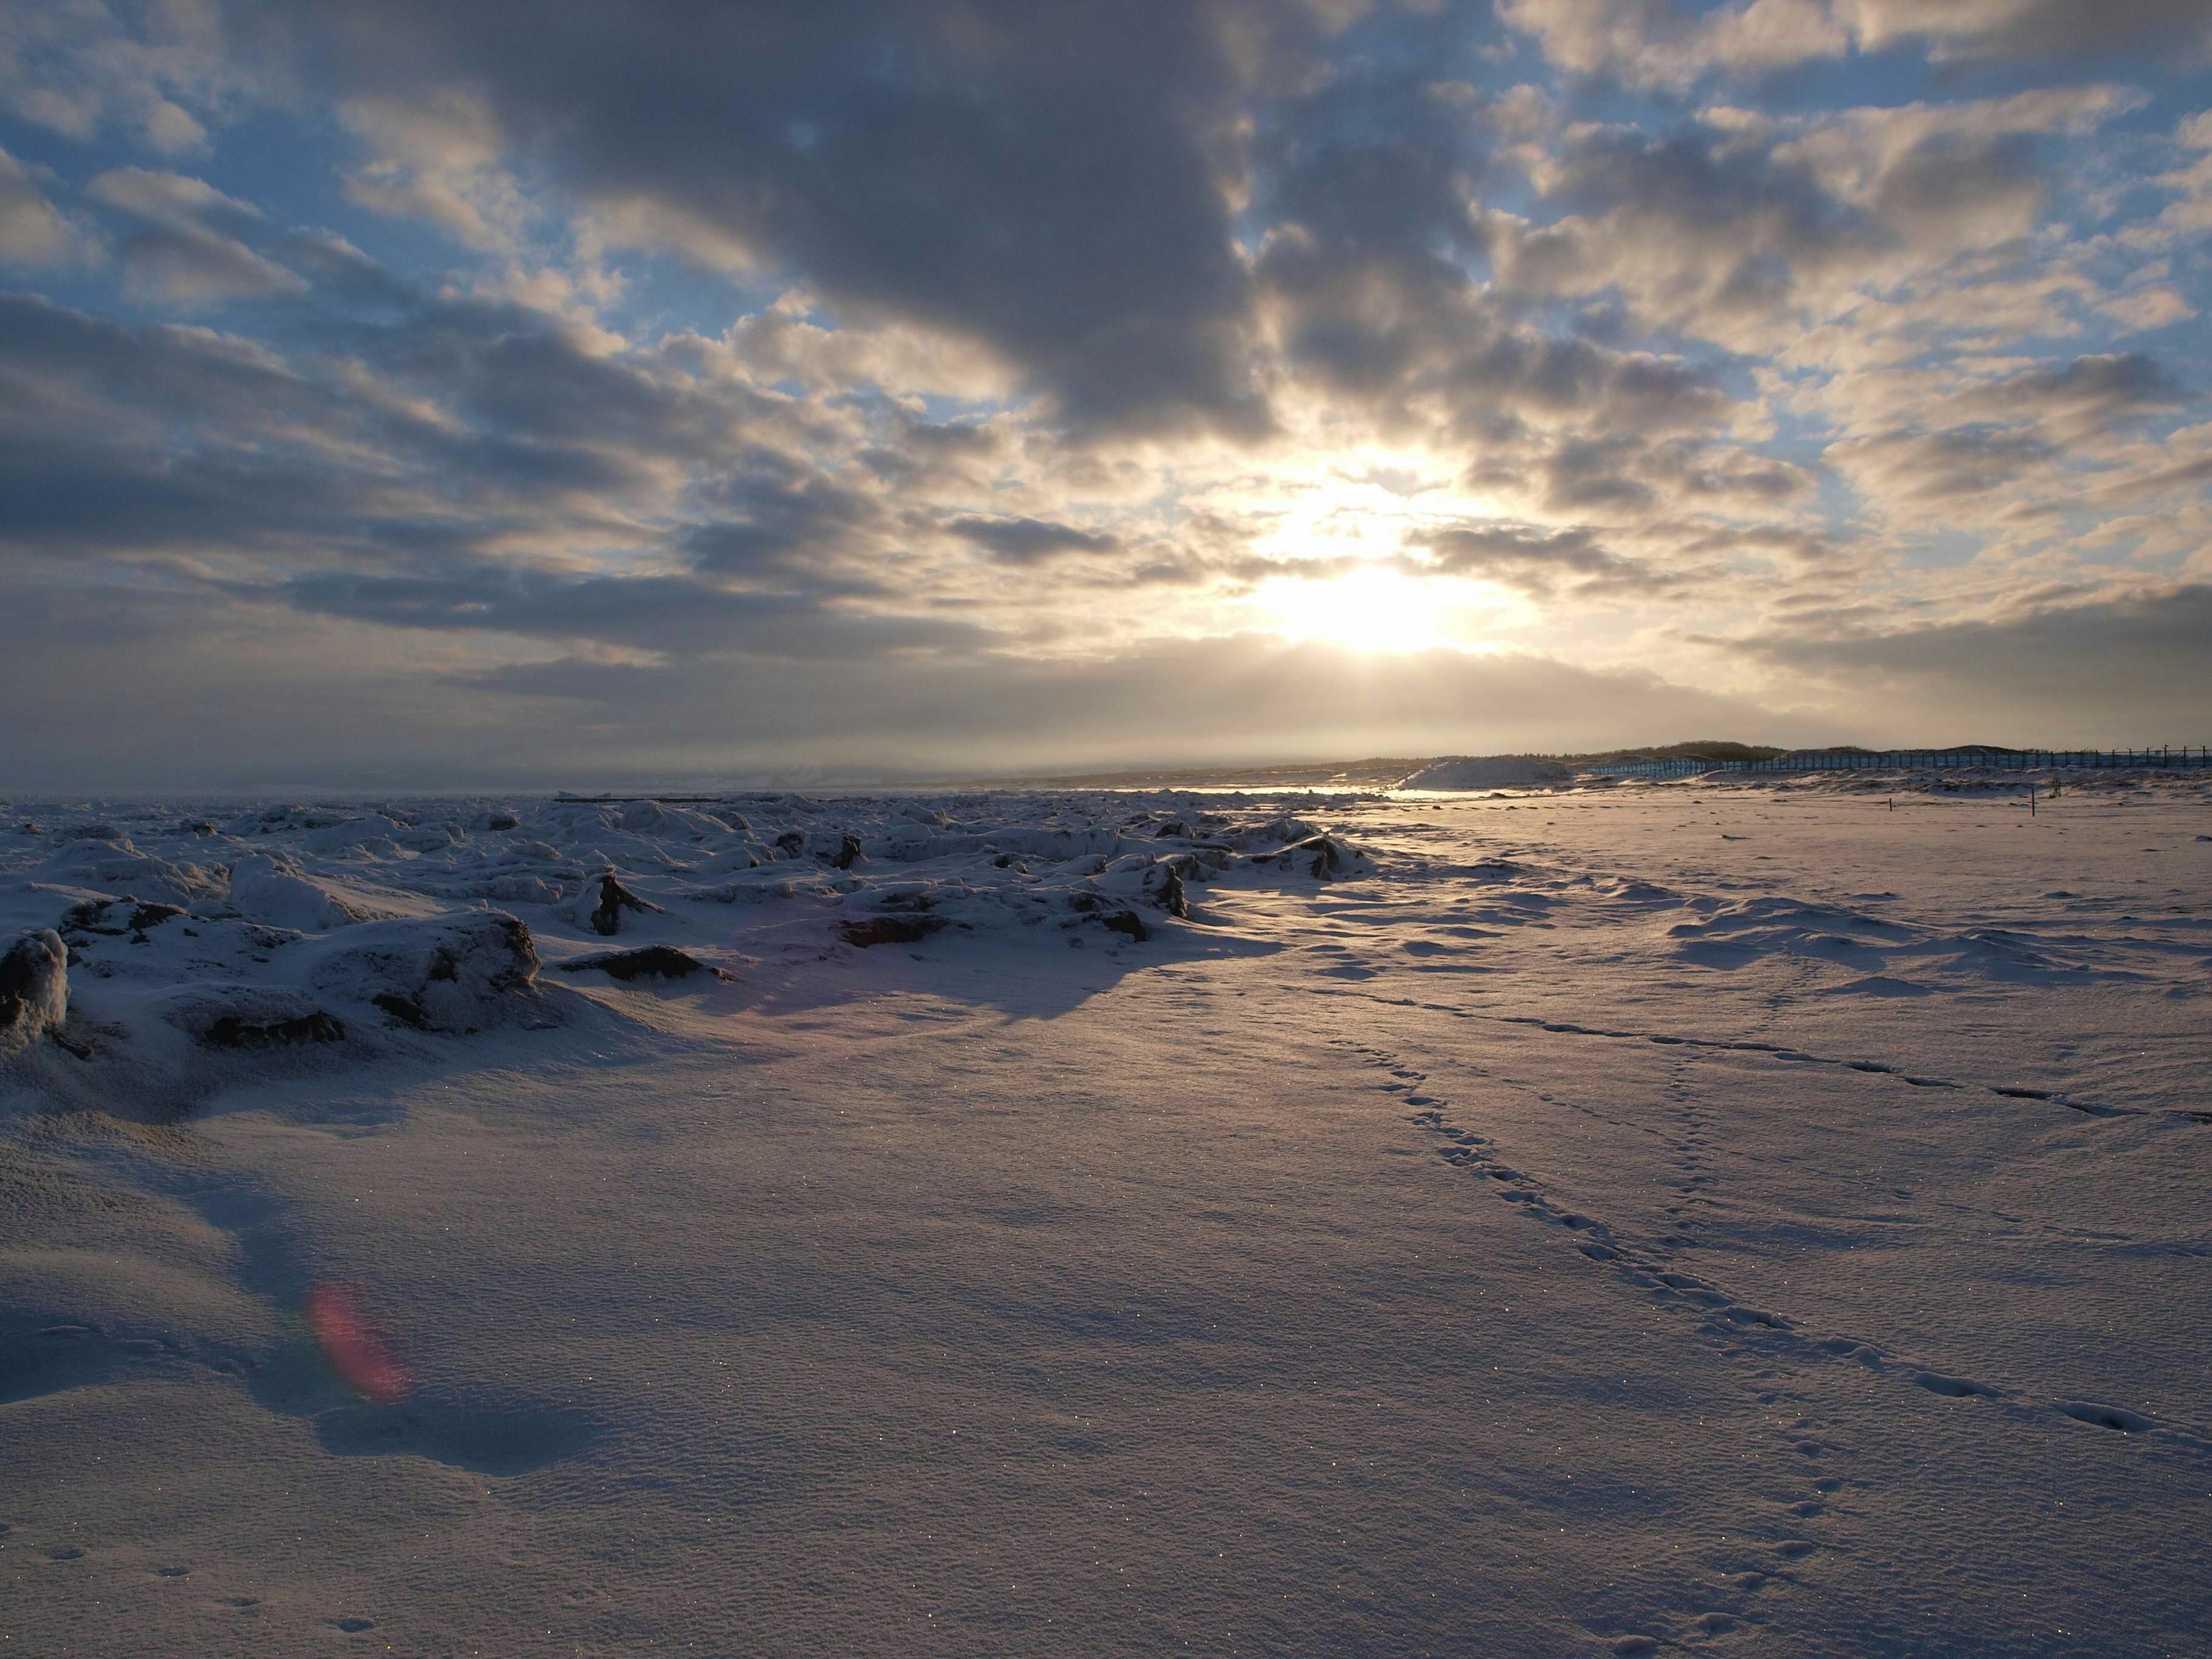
column 1685, row 1216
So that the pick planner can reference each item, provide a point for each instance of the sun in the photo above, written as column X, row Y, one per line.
column 1368, row 611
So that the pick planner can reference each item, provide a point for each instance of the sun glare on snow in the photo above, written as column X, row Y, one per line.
column 1365, row 611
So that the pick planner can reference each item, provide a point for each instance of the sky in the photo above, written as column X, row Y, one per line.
column 436, row 392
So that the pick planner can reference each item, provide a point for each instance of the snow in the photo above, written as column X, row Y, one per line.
column 1756, row 1215
column 1485, row 772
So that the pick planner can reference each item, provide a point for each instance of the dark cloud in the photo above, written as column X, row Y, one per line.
column 1028, row 541
column 2086, row 395
column 1051, row 181
column 2042, row 31
column 195, row 688
column 1933, row 466
column 673, row 614
column 1538, row 563
column 2064, row 672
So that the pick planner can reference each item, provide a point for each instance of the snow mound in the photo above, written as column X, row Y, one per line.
column 457, row 973
column 116, row 867
column 275, row 892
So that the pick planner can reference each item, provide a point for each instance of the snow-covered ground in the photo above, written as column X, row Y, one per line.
column 1717, row 1215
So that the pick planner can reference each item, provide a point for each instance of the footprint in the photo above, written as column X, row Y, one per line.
column 2106, row 1417
column 1957, row 1388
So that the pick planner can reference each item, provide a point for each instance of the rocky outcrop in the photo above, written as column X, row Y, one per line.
column 864, row 931
column 651, row 961
column 606, row 899
column 34, row 989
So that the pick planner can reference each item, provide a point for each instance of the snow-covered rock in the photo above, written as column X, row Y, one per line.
column 34, row 989
column 459, row 972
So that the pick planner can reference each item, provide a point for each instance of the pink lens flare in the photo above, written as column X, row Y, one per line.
column 360, row 1357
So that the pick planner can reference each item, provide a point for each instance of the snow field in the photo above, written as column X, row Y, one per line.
column 1659, row 1218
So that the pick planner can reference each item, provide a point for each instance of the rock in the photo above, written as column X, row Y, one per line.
column 1175, row 898
column 118, row 916
column 1331, row 860
column 34, row 989
column 605, row 917
column 888, row 930
column 658, row 961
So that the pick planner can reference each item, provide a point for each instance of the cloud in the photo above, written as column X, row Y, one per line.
column 947, row 354
column 1669, row 45
column 86, row 69
column 1656, row 44
column 1538, row 563
column 1051, row 184
column 2035, row 31
column 187, row 251
column 34, row 232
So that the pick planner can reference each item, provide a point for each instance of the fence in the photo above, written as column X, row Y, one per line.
column 2192, row 757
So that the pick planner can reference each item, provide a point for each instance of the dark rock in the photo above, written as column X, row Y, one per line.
column 231, row 1032
column 115, row 916
column 34, row 989
column 888, row 930
column 405, row 1009
column 659, row 961
column 1174, row 897
column 614, row 899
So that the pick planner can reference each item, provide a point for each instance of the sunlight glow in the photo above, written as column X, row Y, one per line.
column 1375, row 611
